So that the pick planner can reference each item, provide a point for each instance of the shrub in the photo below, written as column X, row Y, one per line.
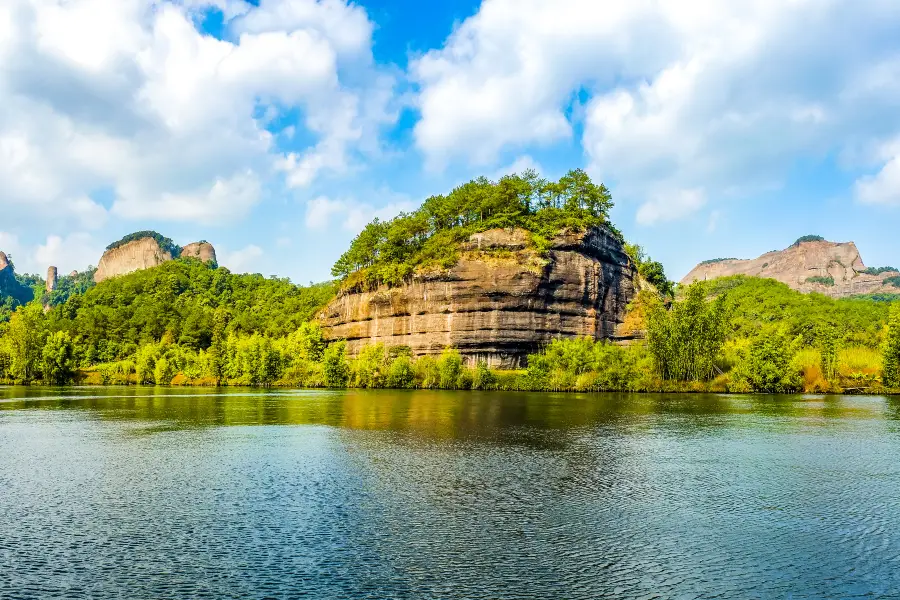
column 768, row 365
column 336, row 370
column 821, row 280
column 879, row 270
column 891, row 353
column 808, row 238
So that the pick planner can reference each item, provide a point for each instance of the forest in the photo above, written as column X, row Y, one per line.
column 189, row 323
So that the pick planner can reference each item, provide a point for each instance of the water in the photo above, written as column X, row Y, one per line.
column 146, row 493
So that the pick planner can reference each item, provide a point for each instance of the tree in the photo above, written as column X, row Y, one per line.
column 25, row 336
column 58, row 358
column 686, row 340
column 890, row 373
column 828, row 349
column 766, row 367
column 336, row 369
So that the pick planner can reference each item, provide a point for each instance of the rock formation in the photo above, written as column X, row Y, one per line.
column 806, row 267
column 52, row 278
column 4, row 261
column 133, row 256
column 499, row 303
column 203, row 251
column 144, row 253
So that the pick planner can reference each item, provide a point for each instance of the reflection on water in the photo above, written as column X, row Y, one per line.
column 146, row 492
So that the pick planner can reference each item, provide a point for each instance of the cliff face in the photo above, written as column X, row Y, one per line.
column 203, row 251
column 52, row 278
column 133, row 256
column 4, row 261
column 795, row 265
column 145, row 253
column 499, row 303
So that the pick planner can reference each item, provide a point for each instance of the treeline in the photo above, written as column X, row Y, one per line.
column 735, row 335
column 176, row 305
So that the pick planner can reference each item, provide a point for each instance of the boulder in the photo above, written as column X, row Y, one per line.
column 202, row 251
column 133, row 256
column 499, row 303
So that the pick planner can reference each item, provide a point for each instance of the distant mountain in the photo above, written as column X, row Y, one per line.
column 811, row 264
column 146, row 249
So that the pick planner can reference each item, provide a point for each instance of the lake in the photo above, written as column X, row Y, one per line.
column 181, row 493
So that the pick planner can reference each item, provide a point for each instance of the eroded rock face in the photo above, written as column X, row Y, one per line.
column 203, row 251
column 499, row 303
column 133, row 256
column 4, row 261
column 796, row 264
column 52, row 279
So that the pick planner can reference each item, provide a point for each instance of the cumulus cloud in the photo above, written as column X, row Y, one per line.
column 244, row 260
column 882, row 188
column 74, row 252
column 353, row 216
column 129, row 96
column 716, row 97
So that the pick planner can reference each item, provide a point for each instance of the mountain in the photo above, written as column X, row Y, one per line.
column 12, row 292
column 499, row 302
column 811, row 264
column 146, row 249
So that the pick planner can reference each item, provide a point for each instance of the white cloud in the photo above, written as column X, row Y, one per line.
column 718, row 97
column 74, row 252
column 518, row 166
column 670, row 206
column 128, row 96
column 245, row 260
column 882, row 188
column 353, row 216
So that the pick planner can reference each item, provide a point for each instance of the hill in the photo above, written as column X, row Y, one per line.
column 811, row 264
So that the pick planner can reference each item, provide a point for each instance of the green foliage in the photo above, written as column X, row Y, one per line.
column 650, row 270
column 15, row 291
column 879, row 270
column 826, row 281
column 24, row 339
column 336, row 368
column 755, row 303
column 58, row 357
column 111, row 320
column 587, row 365
column 828, row 348
column 767, row 365
column 894, row 281
column 713, row 261
column 891, row 351
column 808, row 238
column 165, row 243
column 68, row 286
column 685, row 340
column 390, row 251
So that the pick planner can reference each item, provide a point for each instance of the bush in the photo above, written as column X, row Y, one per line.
column 826, row 281
column 768, row 365
column 336, row 370
column 808, row 238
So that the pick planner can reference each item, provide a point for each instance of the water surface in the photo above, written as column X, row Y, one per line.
column 170, row 493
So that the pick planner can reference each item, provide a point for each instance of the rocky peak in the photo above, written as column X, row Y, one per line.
column 144, row 250
column 809, row 265
column 4, row 261
column 52, row 278
column 202, row 251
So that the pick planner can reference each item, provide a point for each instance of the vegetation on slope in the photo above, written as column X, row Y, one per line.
column 808, row 238
column 388, row 252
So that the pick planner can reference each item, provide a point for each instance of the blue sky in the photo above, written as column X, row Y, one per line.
column 277, row 128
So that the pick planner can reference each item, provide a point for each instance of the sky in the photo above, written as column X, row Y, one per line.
column 276, row 129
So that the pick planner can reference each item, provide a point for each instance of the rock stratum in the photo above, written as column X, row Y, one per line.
column 805, row 266
column 145, row 253
column 499, row 303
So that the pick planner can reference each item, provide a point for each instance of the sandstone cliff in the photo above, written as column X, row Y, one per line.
column 799, row 265
column 52, row 278
column 145, row 253
column 499, row 303
column 203, row 251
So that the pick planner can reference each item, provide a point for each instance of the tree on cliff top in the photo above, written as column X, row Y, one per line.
column 165, row 243
column 389, row 251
